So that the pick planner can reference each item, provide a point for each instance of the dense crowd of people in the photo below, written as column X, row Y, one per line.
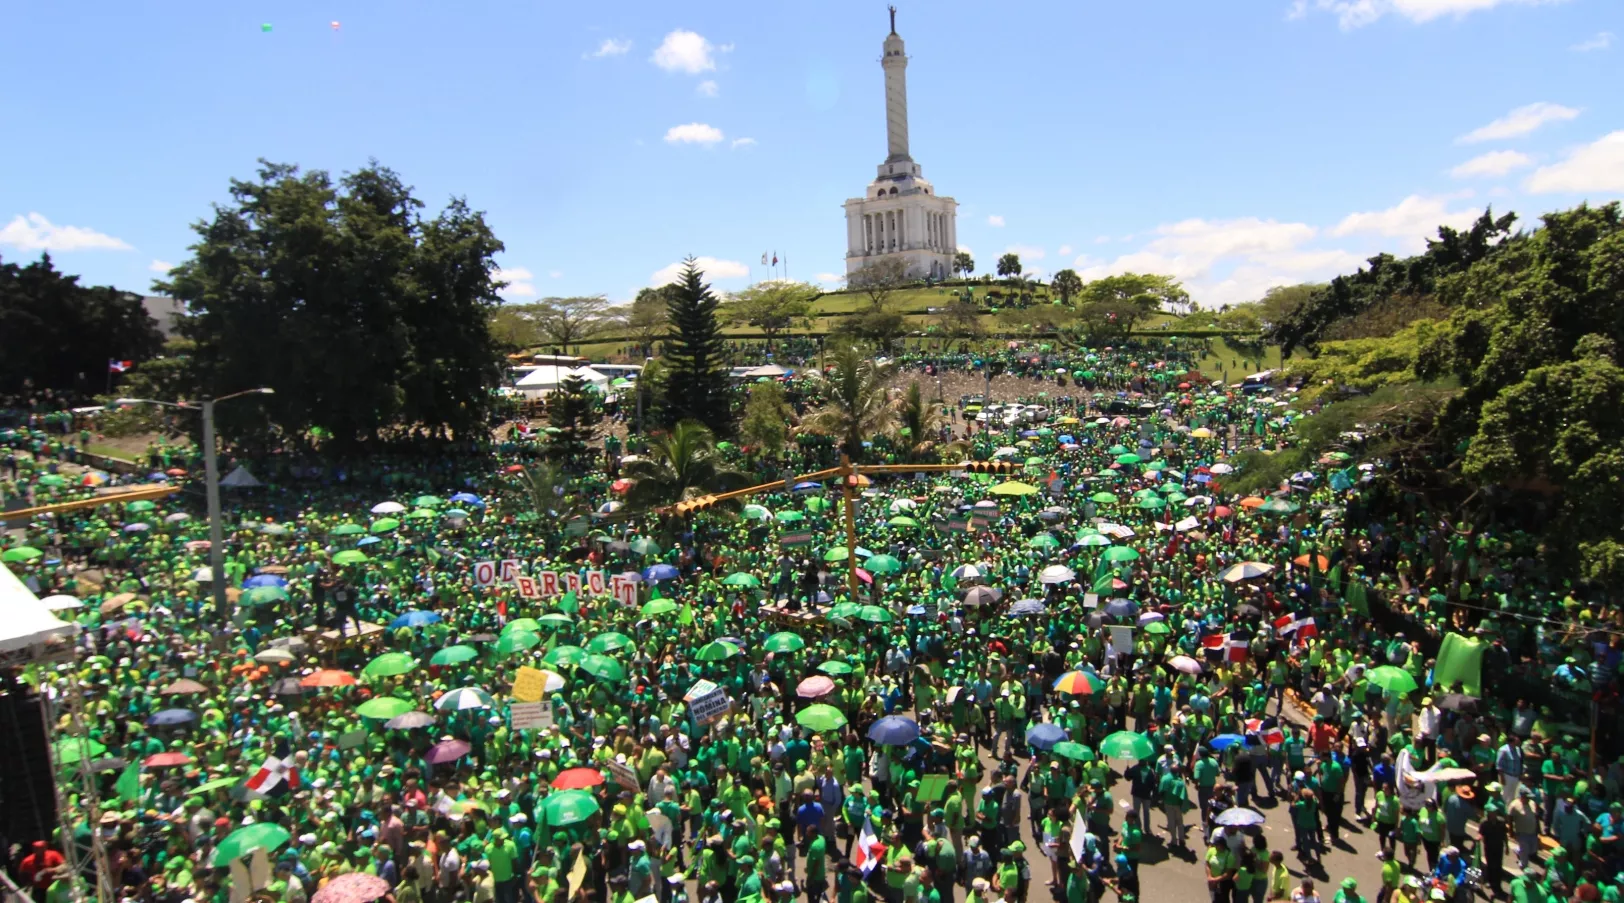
column 1045, row 675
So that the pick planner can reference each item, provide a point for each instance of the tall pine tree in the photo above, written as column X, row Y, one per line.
column 696, row 380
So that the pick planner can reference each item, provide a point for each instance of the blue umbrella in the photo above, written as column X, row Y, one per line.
column 1239, row 817
column 468, row 498
column 1026, row 607
column 1121, row 608
column 1068, row 439
column 264, row 580
column 369, row 541
column 171, row 717
column 1145, row 443
column 1027, row 434
column 1045, row 735
column 894, row 730
column 807, row 486
column 660, row 572
column 415, row 619
column 158, row 477
column 915, row 611
column 1225, row 741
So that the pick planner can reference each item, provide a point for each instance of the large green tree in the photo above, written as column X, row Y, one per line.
column 1146, row 291
column 1010, row 265
column 367, row 319
column 680, row 464
column 567, row 322
column 767, row 417
column 1067, row 284
column 695, row 354
column 856, row 406
column 648, row 318
column 60, row 335
column 963, row 263
column 771, row 307
column 573, row 412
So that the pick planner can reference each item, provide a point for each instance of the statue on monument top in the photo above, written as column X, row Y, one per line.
column 893, row 19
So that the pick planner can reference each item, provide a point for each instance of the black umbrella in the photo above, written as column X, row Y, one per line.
column 1248, row 611
column 1457, row 702
column 287, row 686
column 481, row 638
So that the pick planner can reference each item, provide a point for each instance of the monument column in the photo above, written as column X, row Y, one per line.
column 895, row 62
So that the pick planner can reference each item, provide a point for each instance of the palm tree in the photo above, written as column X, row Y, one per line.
column 547, row 491
column 918, row 422
column 680, row 465
column 857, row 405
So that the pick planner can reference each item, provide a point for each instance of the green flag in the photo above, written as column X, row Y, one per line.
column 129, row 784
column 686, row 616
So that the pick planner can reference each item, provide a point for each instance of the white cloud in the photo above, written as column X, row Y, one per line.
column 1025, row 252
column 693, row 133
column 830, row 278
column 966, row 250
column 1598, row 166
column 1519, row 122
column 1351, row 14
column 36, row 233
column 706, row 88
column 160, row 266
column 1065, row 251
column 1493, row 163
column 610, row 47
column 1102, row 239
column 520, row 282
column 1602, row 41
column 684, row 51
column 725, row 48
column 555, row 274
column 743, row 142
column 1412, row 221
column 995, row 221
column 712, row 268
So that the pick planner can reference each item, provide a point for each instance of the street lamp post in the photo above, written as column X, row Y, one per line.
column 211, row 484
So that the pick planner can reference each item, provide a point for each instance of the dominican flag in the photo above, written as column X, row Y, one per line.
column 274, row 775
column 775, row 258
column 1300, row 626
column 868, row 851
column 119, row 366
column 1273, row 736
column 1227, row 646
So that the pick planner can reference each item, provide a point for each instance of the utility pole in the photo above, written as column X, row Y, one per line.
column 848, row 476
column 217, row 532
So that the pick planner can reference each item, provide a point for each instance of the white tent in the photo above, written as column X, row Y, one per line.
column 26, row 625
column 240, row 479
column 548, row 377
column 769, row 370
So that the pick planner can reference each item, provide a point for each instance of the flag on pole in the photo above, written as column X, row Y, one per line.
column 775, row 258
column 129, row 783
column 274, row 775
column 1300, row 626
column 868, row 851
column 763, row 258
column 119, row 366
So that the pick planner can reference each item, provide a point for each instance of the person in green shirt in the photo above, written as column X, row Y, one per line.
column 1348, row 893
column 1175, row 798
column 817, row 866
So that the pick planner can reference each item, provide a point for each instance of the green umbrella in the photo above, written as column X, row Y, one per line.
column 567, row 807
column 1070, row 749
column 349, row 530
column 838, row 553
column 1094, row 539
column 1278, row 506
column 1158, row 627
column 756, row 512
column 740, row 578
column 555, row 619
column 1043, row 541
column 784, row 641
column 517, row 641
column 790, row 517
column 1120, row 553
column 53, row 480
column 875, row 614
column 603, row 667
column 565, row 655
column 72, row 750
column 528, row 625
column 384, row 525
column 21, row 553
column 845, row 610
column 645, row 546
column 882, row 564
column 215, row 784
column 1103, row 498
column 1127, row 745
column 835, row 669
column 1117, row 450
column 902, row 521
column 1129, row 458
column 1152, row 503
column 820, row 717
column 715, row 651
column 140, row 505
column 383, row 707
column 264, row 595
column 609, row 641
column 1392, row 680
column 657, row 607
column 428, row 501
column 453, row 655
column 265, row 835
column 817, row 503
column 390, row 664
column 422, row 514
column 351, row 556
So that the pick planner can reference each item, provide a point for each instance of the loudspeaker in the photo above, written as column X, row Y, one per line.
column 27, row 799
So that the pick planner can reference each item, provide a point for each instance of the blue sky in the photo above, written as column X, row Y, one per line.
column 1234, row 144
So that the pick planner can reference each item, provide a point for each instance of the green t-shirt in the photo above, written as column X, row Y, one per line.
column 1206, row 772
column 817, row 860
column 501, row 854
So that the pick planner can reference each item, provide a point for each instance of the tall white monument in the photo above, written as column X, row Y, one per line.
column 900, row 217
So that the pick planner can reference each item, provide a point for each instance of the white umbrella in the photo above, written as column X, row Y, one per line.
column 900, row 505
column 273, row 656
column 60, row 602
column 1057, row 573
column 203, row 575
column 1246, row 570
column 1005, row 452
column 969, row 572
column 177, row 517
column 1189, row 523
column 388, row 508
column 1221, row 468
column 1195, row 500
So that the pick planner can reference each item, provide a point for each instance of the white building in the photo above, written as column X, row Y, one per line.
column 900, row 217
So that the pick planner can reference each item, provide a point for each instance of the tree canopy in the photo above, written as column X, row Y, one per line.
column 61, row 335
column 771, row 307
column 696, row 375
column 364, row 317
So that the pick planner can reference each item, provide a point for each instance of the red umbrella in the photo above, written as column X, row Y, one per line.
column 577, row 779
column 447, row 751
column 166, row 759
column 1222, row 511
column 620, row 485
column 352, row 887
column 513, row 468
column 814, row 686
column 328, row 678
column 175, row 472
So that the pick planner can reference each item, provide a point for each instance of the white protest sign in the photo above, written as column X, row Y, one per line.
column 527, row 587
column 710, row 707
column 531, row 716
column 510, row 569
column 1122, row 640
column 484, row 573
column 1091, row 600
column 624, row 776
